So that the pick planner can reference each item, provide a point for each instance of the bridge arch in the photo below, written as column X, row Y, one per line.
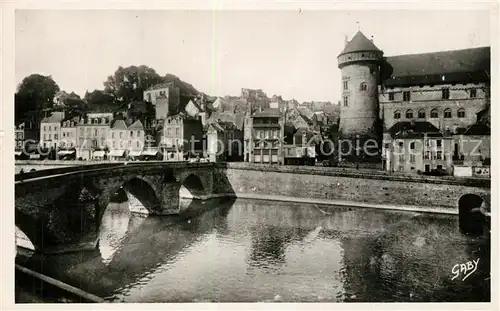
column 141, row 195
column 22, row 240
column 192, row 187
column 471, row 217
column 33, row 229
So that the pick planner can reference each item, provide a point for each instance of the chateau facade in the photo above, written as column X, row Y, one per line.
column 425, row 97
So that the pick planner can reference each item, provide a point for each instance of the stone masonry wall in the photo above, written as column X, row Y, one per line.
column 383, row 190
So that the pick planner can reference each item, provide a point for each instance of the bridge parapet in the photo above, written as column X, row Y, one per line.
column 57, row 201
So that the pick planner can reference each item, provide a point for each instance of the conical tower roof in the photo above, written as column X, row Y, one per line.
column 359, row 43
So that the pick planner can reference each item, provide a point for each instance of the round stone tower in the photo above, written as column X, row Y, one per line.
column 360, row 64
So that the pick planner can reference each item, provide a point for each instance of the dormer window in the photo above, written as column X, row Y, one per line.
column 363, row 86
column 406, row 96
column 445, row 92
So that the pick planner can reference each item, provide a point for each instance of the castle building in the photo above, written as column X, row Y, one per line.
column 406, row 94
column 360, row 63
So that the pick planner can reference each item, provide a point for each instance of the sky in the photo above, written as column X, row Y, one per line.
column 288, row 53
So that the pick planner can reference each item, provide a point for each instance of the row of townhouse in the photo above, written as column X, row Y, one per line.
column 95, row 136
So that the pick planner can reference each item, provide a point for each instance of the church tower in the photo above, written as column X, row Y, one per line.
column 360, row 63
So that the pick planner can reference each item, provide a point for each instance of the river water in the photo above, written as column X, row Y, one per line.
column 256, row 251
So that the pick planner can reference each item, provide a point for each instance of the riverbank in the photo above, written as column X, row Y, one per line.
column 353, row 188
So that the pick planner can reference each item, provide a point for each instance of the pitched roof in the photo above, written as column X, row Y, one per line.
column 407, row 129
column 197, row 104
column 137, row 125
column 305, row 111
column 269, row 112
column 160, row 86
column 222, row 126
column 119, row 125
column 359, row 43
column 305, row 117
column 231, row 104
column 55, row 117
column 478, row 129
column 224, row 116
column 456, row 66
column 484, row 116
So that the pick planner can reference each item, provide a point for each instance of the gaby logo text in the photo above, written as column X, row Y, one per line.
column 465, row 269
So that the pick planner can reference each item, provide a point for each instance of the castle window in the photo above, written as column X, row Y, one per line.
column 406, row 96
column 391, row 96
column 346, row 101
column 472, row 93
column 409, row 114
column 397, row 114
column 445, row 93
column 363, row 87
column 421, row 113
column 434, row 114
column 447, row 113
column 346, row 85
column 461, row 113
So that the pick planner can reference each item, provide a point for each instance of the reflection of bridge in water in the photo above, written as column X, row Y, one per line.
column 130, row 252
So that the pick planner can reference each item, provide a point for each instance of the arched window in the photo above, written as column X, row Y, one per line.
column 434, row 113
column 363, row 86
column 397, row 114
column 409, row 114
column 447, row 113
column 421, row 113
column 461, row 113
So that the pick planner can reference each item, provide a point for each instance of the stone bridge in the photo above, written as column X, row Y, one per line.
column 61, row 209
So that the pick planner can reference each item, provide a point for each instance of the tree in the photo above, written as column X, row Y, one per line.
column 71, row 102
column 184, row 87
column 99, row 101
column 128, row 84
column 35, row 93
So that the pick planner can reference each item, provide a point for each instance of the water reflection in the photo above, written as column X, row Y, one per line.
column 267, row 251
column 113, row 230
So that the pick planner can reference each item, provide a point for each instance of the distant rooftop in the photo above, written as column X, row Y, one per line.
column 408, row 129
column 55, row 117
column 269, row 112
column 160, row 86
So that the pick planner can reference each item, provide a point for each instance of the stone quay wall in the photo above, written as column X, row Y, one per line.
column 348, row 187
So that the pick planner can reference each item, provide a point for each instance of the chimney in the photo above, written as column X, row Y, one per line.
column 346, row 42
